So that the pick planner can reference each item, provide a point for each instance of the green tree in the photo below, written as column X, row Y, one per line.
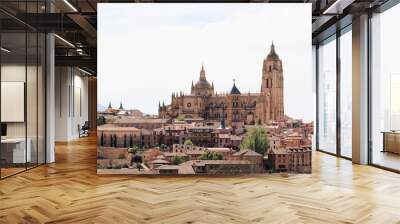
column 101, row 120
column 163, row 147
column 176, row 160
column 188, row 142
column 180, row 118
column 133, row 149
column 211, row 156
column 217, row 156
column 256, row 139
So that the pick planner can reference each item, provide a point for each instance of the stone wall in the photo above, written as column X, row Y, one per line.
column 233, row 169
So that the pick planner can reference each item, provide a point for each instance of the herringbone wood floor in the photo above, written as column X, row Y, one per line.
column 69, row 191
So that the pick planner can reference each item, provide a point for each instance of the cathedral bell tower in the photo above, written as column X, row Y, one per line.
column 272, row 88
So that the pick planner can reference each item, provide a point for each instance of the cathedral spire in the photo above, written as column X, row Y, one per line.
column 109, row 105
column 202, row 73
column 272, row 54
column 120, row 106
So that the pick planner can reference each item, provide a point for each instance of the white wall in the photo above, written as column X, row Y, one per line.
column 71, row 102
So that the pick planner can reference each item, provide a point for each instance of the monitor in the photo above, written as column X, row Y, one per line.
column 3, row 129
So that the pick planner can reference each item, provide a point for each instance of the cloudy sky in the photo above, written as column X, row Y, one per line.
column 147, row 51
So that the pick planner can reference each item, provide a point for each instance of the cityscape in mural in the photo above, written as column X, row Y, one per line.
column 203, row 132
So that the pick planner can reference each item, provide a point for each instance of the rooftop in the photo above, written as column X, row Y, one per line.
column 111, row 127
column 219, row 149
column 141, row 120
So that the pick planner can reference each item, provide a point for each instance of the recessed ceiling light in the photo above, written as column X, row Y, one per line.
column 64, row 40
column 337, row 7
column 5, row 50
column 70, row 5
column 84, row 71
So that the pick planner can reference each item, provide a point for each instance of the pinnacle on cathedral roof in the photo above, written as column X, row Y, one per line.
column 120, row 106
column 202, row 73
column 109, row 105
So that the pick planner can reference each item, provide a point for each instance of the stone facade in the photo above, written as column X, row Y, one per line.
column 297, row 160
column 234, row 107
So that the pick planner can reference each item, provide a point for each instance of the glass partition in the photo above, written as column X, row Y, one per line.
column 346, row 94
column 327, row 96
column 14, row 155
column 22, row 77
column 385, row 89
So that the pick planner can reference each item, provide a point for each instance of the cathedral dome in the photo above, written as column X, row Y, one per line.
column 202, row 84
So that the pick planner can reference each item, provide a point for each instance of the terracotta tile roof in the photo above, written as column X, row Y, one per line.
column 141, row 120
column 252, row 153
column 185, row 169
column 110, row 127
column 278, row 151
column 160, row 157
column 170, row 154
column 247, row 152
column 238, row 153
column 195, row 152
column 159, row 161
column 219, row 149
column 168, row 167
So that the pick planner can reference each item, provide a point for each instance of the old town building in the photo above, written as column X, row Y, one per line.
column 234, row 107
column 293, row 159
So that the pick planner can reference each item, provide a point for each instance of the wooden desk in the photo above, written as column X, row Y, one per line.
column 391, row 141
column 13, row 150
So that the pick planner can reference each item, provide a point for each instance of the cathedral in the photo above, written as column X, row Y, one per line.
column 233, row 107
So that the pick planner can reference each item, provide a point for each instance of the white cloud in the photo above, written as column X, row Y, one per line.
column 152, row 50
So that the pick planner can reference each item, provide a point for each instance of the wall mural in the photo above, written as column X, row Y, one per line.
column 203, row 130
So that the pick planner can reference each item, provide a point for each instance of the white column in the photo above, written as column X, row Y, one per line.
column 360, row 90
